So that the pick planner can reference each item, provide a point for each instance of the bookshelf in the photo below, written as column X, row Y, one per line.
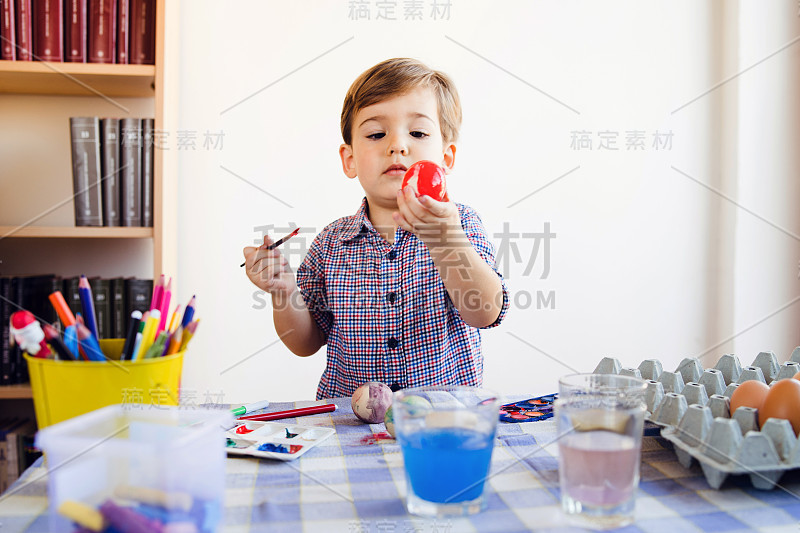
column 37, row 230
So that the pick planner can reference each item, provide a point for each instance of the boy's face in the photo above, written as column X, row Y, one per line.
column 390, row 136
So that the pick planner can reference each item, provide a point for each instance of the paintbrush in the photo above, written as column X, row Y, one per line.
column 278, row 242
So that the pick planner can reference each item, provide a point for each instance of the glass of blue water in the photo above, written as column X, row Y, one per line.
column 447, row 436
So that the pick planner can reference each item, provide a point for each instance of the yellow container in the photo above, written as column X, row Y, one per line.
column 64, row 389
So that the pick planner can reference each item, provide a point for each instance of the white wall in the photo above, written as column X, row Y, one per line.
column 640, row 248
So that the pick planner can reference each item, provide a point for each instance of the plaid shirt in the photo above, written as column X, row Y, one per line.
column 385, row 310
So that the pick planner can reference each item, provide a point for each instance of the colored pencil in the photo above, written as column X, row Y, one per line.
column 171, row 326
column 89, row 344
column 278, row 242
column 188, row 333
column 158, row 293
column 87, row 304
column 291, row 413
column 130, row 338
column 188, row 313
column 175, row 341
column 164, row 307
column 54, row 340
column 63, row 310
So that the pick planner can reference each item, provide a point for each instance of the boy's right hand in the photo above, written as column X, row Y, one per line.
column 269, row 270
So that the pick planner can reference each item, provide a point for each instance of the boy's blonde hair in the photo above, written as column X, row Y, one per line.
column 395, row 77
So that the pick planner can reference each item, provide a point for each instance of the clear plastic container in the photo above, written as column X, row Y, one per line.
column 165, row 464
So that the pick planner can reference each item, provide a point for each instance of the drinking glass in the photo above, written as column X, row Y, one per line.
column 446, row 435
column 600, row 420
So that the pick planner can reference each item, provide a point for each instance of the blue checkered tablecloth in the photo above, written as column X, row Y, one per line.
column 347, row 484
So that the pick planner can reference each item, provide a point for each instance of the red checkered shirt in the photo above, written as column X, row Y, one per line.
column 385, row 310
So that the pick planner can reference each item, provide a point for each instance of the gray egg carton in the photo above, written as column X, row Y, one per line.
column 693, row 407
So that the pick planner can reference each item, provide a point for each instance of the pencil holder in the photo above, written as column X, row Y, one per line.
column 65, row 389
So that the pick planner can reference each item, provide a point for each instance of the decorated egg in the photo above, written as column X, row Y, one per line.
column 751, row 393
column 371, row 400
column 388, row 420
column 428, row 179
column 417, row 405
column 782, row 401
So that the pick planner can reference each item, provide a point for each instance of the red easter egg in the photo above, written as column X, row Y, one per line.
column 428, row 178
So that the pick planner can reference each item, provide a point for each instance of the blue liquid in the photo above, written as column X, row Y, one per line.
column 447, row 465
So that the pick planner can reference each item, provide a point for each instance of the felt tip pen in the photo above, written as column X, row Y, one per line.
column 249, row 408
column 291, row 413
column 278, row 242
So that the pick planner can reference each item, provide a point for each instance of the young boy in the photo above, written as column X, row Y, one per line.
column 398, row 290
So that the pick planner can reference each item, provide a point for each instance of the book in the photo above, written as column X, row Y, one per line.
column 119, row 320
column 7, row 425
column 147, row 171
column 101, row 292
column 71, row 294
column 130, row 171
column 142, row 32
column 75, row 31
column 15, row 441
column 123, row 30
column 110, row 165
column 5, row 334
column 8, row 30
column 24, row 30
column 48, row 30
column 86, row 167
column 15, row 355
column 138, row 294
column 102, row 30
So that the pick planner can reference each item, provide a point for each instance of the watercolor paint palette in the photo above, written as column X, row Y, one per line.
column 273, row 440
column 692, row 406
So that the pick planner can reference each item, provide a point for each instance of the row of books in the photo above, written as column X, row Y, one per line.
column 17, row 451
column 78, row 31
column 114, row 301
column 112, row 171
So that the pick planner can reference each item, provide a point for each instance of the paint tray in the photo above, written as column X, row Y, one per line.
column 692, row 405
column 274, row 440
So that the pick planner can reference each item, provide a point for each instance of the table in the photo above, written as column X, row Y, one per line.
column 351, row 485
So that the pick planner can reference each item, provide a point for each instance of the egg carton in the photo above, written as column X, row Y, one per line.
column 692, row 405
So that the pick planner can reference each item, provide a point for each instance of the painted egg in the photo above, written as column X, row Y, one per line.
column 371, row 400
column 388, row 420
column 428, row 179
column 417, row 405
column 751, row 393
column 783, row 401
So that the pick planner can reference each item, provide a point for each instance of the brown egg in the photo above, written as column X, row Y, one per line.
column 751, row 393
column 783, row 401
column 796, row 376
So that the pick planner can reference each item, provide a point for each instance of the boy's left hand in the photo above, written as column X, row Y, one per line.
column 436, row 224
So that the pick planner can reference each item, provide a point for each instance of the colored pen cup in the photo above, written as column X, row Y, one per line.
column 151, row 469
column 65, row 389
column 600, row 420
column 447, row 436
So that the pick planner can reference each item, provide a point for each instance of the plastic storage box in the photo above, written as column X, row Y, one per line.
column 166, row 465
column 64, row 389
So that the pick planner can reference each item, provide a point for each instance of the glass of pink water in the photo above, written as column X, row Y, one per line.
column 600, row 421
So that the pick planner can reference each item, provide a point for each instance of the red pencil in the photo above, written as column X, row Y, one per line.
column 291, row 413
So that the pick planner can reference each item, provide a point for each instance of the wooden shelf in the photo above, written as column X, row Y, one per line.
column 83, row 79
column 71, row 232
column 16, row 392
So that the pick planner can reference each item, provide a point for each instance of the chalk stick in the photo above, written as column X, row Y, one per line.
column 179, row 501
column 83, row 515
